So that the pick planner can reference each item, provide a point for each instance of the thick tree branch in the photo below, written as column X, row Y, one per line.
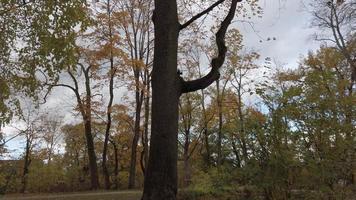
column 206, row 11
column 217, row 62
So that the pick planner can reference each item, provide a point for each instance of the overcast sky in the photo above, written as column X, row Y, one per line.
column 289, row 23
column 285, row 20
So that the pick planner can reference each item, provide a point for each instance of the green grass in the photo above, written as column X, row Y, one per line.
column 118, row 195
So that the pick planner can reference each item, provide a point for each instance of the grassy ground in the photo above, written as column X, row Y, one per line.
column 117, row 195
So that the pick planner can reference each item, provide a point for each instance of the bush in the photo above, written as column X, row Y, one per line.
column 214, row 184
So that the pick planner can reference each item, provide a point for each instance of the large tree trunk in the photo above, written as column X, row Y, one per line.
column 161, row 173
column 167, row 86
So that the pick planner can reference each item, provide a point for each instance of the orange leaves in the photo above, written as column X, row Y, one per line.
column 124, row 120
column 256, row 115
column 122, row 18
column 137, row 64
column 109, row 50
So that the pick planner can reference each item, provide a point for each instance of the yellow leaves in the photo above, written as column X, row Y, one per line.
column 122, row 18
column 108, row 51
column 256, row 115
column 124, row 123
column 288, row 76
column 138, row 64
column 325, row 57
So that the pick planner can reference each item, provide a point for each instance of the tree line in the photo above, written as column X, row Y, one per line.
column 296, row 138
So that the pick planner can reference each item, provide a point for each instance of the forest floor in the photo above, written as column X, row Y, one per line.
column 104, row 195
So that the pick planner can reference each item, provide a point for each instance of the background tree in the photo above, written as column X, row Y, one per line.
column 30, row 132
column 43, row 39
column 107, row 40
column 75, row 156
column 136, row 27
column 337, row 19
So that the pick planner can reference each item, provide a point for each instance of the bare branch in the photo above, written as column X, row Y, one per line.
column 217, row 62
column 206, row 11
column 61, row 85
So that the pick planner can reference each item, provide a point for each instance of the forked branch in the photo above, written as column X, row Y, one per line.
column 218, row 61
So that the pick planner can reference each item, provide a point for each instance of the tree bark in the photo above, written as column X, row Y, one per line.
column 116, row 169
column 112, row 73
column 187, row 170
column 144, row 153
column 26, row 166
column 161, row 173
column 145, row 146
column 167, row 86
column 219, row 104
column 241, row 120
column 91, row 155
column 93, row 167
column 108, row 125
column 85, row 110
column 206, row 133
column 132, row 175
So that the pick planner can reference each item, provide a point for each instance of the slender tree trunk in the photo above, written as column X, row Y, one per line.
column 137, row 31
column 108, row 124
column 84, row 106
column 187, row 171
column 116, row 168
column 145, row 133
column 105, row 149
column 112, row 73
column 132, row 175
column 219, row 99
column 86, row 113
column 207, row 147
column 206, row 133
column 94, row 178
column 27, row 163
column 236, row 152
column 50, row 152
column 104, row 165
column 241, row 122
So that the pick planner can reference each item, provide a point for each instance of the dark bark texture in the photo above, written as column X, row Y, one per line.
column 161, row 173
column 167, row 86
